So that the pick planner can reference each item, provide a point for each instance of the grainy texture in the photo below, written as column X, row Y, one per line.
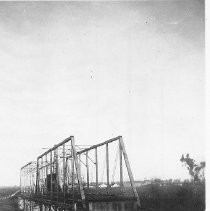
column 172, row 197
column 8, row 204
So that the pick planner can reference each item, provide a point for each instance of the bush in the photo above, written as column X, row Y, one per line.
column 173, row 197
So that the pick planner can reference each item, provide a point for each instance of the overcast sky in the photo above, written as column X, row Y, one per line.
column 97, row 70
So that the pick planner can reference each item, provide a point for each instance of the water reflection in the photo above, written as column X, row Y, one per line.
column 93, row 206
column 113, row 206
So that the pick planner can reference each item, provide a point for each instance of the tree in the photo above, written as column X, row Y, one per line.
column 196, row 171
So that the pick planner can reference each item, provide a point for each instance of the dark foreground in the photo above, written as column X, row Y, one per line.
column 8, row 205
column 170, row 197
column 173, row 197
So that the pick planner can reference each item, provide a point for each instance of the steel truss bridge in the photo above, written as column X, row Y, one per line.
column 67, row 177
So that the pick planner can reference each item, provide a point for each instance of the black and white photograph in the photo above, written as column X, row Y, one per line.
column 102, row 105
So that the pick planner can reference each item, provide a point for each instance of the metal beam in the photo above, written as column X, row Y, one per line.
column 42, row 175
column 80, row 162
column 51, row 185
column 121, row 168
column 130, row 172
column 27, row 165
column 87, row 166
column 56, row 146
column 57, row 179
column 78, row 172
column 64, row 174
column 98, row 145
column 96, row 163
column 46, row 173
column 72, row 174
column 107, row 166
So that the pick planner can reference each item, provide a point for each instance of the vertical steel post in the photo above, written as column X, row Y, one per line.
column 87, row 166
column 72, row 172
column 78, row 172
column 64, row 173
column 29, row 178
column 37, row 176
column 96, row 163
column 20, row 181
column 46, row 166
column 57, row 172
column 80, row 162
column 121, row 168
column 24, row 180
column 51, row 177
column 54, row 175
column 32, row 180
column 42, row 175
column 130, row 172
column 107, row 167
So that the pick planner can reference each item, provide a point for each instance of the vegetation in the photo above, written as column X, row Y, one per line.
column 175, row 195
column 6, row 191
column 196, row 171
column 8, row 204
column 186, row 196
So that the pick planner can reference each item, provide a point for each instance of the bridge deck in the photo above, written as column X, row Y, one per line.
column 91, row 195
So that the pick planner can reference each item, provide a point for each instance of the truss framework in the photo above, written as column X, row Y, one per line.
column 55, row 178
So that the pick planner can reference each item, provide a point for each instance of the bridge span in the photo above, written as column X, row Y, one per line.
column 80, row 177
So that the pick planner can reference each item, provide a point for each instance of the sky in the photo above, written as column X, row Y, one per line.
column 97, row 70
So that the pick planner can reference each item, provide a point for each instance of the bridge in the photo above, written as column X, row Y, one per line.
column 79, row 177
